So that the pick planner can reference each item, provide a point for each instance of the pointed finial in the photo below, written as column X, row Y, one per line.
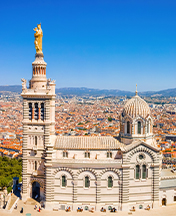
column 136, row 90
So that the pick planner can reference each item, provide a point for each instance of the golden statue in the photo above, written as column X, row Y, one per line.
column 38, row 38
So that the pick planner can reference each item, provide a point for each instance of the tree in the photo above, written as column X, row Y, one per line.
column 9, row 168
column 3, row 182
column 109, row 119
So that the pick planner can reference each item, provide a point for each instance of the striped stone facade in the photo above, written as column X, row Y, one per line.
column 85, row 171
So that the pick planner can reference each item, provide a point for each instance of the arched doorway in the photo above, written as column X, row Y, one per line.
column 164, row 202
column 36, row 190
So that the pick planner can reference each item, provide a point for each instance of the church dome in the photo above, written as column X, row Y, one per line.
column 136, row 106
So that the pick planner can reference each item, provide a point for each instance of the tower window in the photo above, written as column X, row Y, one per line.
column 144, row 171
column 87, row 154
column 42, row 111
column 64, row 181
column 35, row 140
column 30, row 111
column 109, row 154
column 137, row 172
column 139, row 127
column 87, row 182
column 110, row 182
column 128, row 127
column 36, row 111
column 35, row 165
column 65, row 154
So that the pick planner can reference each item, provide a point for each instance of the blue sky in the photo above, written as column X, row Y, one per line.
column 110, row 44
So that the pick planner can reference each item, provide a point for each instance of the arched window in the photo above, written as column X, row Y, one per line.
column 30, row 111
column 35, row 140
column 137, row 172
column 87, row 154
column 128, row 127
column 64, row 181
column 139, row 127
column 42, row 111
column 110, row 182
column 87, row 182
column 109, row 154
column 144, row 171
column 35, row 165
column 36, row 111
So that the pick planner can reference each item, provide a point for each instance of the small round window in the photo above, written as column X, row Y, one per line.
column 141, row 156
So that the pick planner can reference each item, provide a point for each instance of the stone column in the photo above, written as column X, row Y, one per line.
column 98, row 193
column 48, row 158
column 75, row 183
column 24, row 157
column 125, row 187
column 52, row 115
column 25, row 110
column 24, row 163
column 98, row 189
column 146, row 128
column 132, row 129
column 32, row 111
column 120, row 193
column 24, row 150
column 155, row 185
column 48, row 185
column 39, row 111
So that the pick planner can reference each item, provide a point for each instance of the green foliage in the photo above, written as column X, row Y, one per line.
column 9, row 168
column 80, row 123
column 9, row 189
column 3, row 182
column 82, row 129
column 109, row 119
column 20, row 179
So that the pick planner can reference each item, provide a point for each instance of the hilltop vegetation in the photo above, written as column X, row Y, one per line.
column 9, row 168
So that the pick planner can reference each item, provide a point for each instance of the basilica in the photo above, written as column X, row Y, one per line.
column 84, row 171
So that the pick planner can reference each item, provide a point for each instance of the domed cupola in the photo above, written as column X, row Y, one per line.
column 136, row 121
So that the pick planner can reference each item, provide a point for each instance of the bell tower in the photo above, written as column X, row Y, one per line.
column 38, row 127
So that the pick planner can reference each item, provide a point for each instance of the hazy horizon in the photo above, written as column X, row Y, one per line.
column 98, row 88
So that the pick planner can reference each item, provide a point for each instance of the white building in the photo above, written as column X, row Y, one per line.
column 89, row 171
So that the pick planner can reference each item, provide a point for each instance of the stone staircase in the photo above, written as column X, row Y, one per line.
column 12, row 200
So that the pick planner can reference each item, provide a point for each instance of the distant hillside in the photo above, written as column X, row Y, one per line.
column 12, row 88
column 168, row 92
column 96, row 92
column 92, row 92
